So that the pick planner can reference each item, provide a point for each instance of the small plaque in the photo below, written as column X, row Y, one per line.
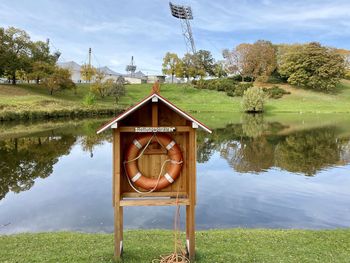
column 155, row 129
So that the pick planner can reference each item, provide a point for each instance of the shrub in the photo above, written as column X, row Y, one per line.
column 275, row 92
column 241, row 88
column 60, row 79
column 89, row 99
column 347, row 74
column 117, row 89
column 237, row 77
column 276, row 78
column 223, row 84
column 253, row 100
column 238, row 89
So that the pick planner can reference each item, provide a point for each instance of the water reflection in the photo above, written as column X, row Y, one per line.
column 25, row 159
column 256, row 146
column 57, row 176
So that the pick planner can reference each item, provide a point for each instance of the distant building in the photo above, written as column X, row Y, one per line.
column 136, row 78
column 168, row 79
column 154, row 78
column 74, row 69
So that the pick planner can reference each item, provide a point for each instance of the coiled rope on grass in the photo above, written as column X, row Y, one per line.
column 179, row 254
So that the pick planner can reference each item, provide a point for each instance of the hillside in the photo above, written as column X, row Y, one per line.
column 31, row 101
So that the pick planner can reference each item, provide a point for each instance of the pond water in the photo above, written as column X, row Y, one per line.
column 285, row 171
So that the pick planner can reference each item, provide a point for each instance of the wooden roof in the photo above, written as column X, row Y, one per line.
column 143, row 102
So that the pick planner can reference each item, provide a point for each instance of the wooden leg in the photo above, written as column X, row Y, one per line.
column 190, row 231
column 118, row 231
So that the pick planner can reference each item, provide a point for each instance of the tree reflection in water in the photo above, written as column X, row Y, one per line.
column 256, row 146
column 27, row 158
column 251, row 146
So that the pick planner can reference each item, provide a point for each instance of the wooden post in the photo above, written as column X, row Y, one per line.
column 155, row 114
column 118, row 210
column 190, row 209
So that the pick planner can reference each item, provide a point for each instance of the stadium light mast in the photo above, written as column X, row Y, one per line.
column 184, row 13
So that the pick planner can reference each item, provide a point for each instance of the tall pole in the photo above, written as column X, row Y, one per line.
column 184, row 13
column 90, row 57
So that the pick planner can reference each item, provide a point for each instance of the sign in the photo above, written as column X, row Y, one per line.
column 155, row 129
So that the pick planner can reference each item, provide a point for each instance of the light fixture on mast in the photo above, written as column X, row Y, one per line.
column 184, row 13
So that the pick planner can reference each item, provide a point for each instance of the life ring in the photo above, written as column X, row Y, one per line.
column 173, row 169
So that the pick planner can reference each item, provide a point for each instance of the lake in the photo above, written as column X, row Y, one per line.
column 281, row 171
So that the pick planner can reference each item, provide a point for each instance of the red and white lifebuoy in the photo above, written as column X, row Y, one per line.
column 173, row 168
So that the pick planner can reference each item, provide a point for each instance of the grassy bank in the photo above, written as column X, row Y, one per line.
column 236, row 245
column 34, row 102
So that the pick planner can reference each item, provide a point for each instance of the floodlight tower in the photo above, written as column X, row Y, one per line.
column 184, row 13
column 131, row 67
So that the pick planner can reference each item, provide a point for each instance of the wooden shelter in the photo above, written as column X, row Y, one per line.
column 155, row 115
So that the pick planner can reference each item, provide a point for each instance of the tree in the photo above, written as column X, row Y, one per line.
column 2, row 51
column 15, row 53
column 87, row 72
column 204, row 63
column 237, row 60
column 219, row 70
column 263, row 60
column 41, row 70
column 313, row 66
column 117, row 89
column 257, row 60
column 186, row 68
column 100, row 87
column 60, row 79
column 171, row 65
column 42, row 61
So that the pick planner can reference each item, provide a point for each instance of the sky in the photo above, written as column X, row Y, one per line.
column 119, row 29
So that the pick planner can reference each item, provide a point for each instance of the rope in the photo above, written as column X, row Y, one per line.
column 138, row 157
column 179, row 254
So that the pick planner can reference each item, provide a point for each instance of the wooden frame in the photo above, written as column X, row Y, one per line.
column 154, row 111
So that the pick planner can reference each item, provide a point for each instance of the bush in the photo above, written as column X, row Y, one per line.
column 222, row 84
column 238, row 89
column 228, row 85
column 89, row 99
column 276, row 78
column 275, row 92
column 253, row 100
column 347, row 74
column 237, row 78
column 117, row 90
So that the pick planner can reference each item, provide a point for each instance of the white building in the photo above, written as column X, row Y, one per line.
column 74, row 68
column 136, row 78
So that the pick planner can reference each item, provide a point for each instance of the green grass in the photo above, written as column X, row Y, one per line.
column 32, row 101
column 234, row 245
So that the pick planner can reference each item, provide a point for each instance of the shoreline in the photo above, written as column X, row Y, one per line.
column 57, row 114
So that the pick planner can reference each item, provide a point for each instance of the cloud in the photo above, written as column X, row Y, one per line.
column 267, row 15
column 116, row 30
